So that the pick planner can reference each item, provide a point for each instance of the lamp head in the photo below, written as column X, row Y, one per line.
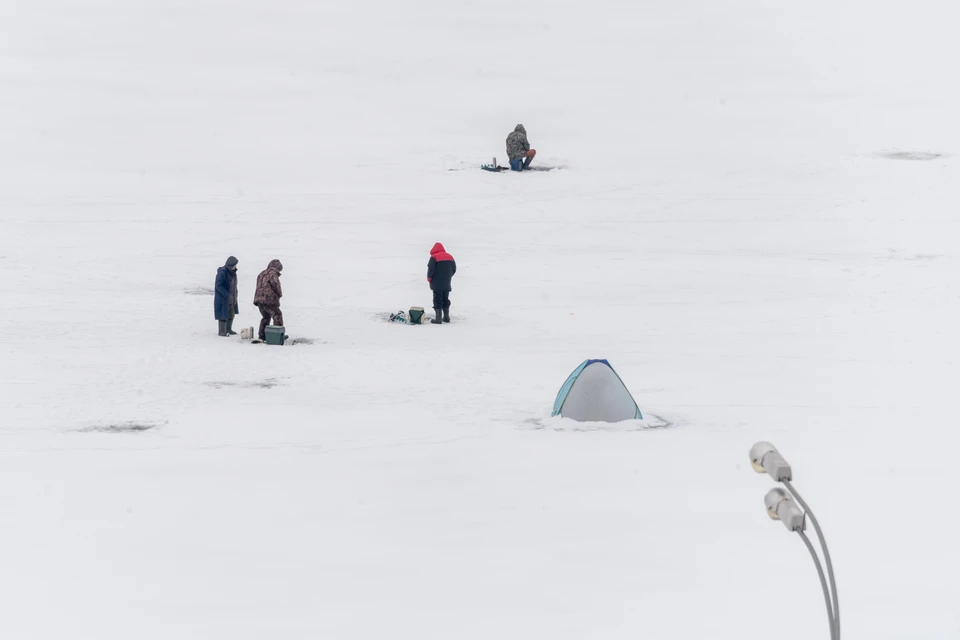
column 780, row 506
column 764, row 458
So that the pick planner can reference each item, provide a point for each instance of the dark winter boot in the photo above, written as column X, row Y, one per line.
column 223, row 327
column 446, row 314
column 437, row 320
column 230, row 331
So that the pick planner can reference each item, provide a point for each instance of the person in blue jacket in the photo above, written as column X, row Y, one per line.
column 225, row 304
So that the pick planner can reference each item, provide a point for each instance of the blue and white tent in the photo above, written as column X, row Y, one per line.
column 595, row 393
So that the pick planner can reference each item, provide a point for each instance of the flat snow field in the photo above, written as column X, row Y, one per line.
column 755, row 219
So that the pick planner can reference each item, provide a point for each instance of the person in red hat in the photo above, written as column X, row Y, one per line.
column 440, row 271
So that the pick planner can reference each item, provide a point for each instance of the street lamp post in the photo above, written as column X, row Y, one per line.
column 788, row 507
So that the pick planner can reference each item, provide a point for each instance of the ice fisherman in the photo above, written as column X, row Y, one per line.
column 267, row 297
column 518, row 149
column 225, row 304
column 440, row 270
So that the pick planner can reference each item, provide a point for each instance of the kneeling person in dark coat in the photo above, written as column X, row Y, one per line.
column 440, row 272
column 225, row 305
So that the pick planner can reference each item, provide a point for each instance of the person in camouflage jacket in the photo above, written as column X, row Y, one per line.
column 267, row 297
column 518, row 149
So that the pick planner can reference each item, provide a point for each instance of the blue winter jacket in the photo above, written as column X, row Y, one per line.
column 221, row 297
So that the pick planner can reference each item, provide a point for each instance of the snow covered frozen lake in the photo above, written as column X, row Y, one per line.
column 756, row 222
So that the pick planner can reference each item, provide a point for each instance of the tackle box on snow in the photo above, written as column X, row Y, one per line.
column 275, row 335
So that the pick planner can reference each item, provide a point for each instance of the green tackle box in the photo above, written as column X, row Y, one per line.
column 275, row 335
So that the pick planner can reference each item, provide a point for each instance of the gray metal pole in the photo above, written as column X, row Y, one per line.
column 823, row 583
column 826, row 555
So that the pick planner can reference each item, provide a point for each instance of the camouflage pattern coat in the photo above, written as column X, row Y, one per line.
column 268, row 285
column 517, row 144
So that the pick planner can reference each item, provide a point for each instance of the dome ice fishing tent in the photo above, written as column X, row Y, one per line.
column 595, row 393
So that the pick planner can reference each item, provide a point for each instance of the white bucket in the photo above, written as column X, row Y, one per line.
column 246, row 333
